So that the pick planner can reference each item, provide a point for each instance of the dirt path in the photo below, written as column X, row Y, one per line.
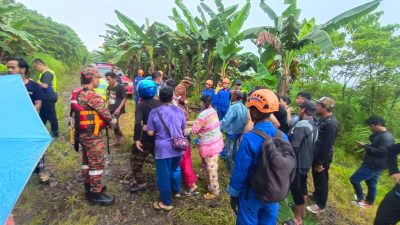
column 63, row 201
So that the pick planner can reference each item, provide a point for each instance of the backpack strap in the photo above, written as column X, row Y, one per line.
column 260, row 133
column 279, row 134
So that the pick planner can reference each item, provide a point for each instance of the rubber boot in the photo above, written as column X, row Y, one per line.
column 100, row 199
column 87, row 189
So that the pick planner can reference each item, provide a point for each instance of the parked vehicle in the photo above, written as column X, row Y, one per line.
column 104, row 67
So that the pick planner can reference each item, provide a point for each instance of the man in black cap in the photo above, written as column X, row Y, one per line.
column 302, row 137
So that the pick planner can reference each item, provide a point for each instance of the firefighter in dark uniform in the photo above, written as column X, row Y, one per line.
column 93, row 115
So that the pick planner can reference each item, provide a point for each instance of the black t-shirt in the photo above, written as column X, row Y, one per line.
column 115, row 95
column 35, row 91
column 141, row 116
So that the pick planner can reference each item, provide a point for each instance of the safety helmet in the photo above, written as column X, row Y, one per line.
column 147, row 89
column 264, row 100
column 89, row 72
column 226, row 80
column 210, row 82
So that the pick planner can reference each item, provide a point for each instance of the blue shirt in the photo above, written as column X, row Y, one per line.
column 247, row 156
column 136, row 83
column 222, row 100
column 209, row 92
column 235, row 119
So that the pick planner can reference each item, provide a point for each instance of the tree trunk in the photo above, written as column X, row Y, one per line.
column 284, row 84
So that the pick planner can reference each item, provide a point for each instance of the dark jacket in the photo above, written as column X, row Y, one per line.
column 141, row 116
column 302, row 138
column 328, row 129
column 391, row 157
column 375, row 153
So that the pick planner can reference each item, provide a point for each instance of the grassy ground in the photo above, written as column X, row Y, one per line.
column 62, row 202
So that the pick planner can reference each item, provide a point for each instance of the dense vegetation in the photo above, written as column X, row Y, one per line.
column 24, row 32
column 352, row 58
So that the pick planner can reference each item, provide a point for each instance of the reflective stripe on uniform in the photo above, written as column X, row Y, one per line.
column 95, row 172
column 85, row 167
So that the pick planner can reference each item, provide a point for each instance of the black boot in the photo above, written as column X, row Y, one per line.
column 100, row 199
column 87, row 190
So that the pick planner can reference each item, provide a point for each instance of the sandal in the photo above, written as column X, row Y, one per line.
column 209, row 196
column 192, row 192
column 291, row 222
column 44, row 178
column 158, row 206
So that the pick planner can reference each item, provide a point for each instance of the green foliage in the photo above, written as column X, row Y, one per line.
column 3, row 68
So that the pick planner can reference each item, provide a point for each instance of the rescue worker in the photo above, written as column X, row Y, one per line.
column 244, row 201
column 143, row 145
column 48, row 82
column 222, row 100
column 93, row 116
column 208, row 90
column 138, row 78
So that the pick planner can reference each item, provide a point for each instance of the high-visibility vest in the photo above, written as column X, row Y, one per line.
column 87, row 119
column 54, row 83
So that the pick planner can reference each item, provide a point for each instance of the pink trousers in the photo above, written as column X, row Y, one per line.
column 188, row 174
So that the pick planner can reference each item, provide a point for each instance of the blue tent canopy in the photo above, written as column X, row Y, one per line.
column 23, row 141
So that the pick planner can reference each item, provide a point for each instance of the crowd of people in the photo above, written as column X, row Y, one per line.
column 234, row 126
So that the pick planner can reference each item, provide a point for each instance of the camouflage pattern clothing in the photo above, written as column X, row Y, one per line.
column 138, row 157
column 93, row 147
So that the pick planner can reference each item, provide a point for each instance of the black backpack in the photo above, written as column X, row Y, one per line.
column 275, row 168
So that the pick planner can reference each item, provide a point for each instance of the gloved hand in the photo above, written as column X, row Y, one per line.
column 235, row 204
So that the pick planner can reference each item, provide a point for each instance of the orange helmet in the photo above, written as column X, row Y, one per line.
column 226, row 80
column 140, row 72
column 210, row 82
column 264, row 100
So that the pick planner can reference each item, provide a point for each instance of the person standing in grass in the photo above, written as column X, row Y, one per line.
column 389, row 210
column 16, row 65
column 48, row 82
column 143, row 144
column 374, row 161
column 233, row 124
column 188, row 174
column 167, row 158
column 244, row 201
column 207, row 126
column 302, row 138
column 328, row 129
column 116, row 98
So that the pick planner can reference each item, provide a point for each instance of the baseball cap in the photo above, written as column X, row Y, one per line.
column 238, row 82
column 326, row 102
column 309, row 107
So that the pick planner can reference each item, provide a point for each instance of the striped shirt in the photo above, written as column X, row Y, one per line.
column 207, row 126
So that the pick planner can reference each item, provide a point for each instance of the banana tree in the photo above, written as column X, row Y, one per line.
column 287, row 36
column 230, row 35
column 13, row 39
column 148, row 35
column 192, row 32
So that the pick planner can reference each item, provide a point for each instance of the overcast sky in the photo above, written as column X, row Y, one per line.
column 87, row 18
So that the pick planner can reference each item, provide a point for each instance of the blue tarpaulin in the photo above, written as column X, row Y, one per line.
column 23, row 141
